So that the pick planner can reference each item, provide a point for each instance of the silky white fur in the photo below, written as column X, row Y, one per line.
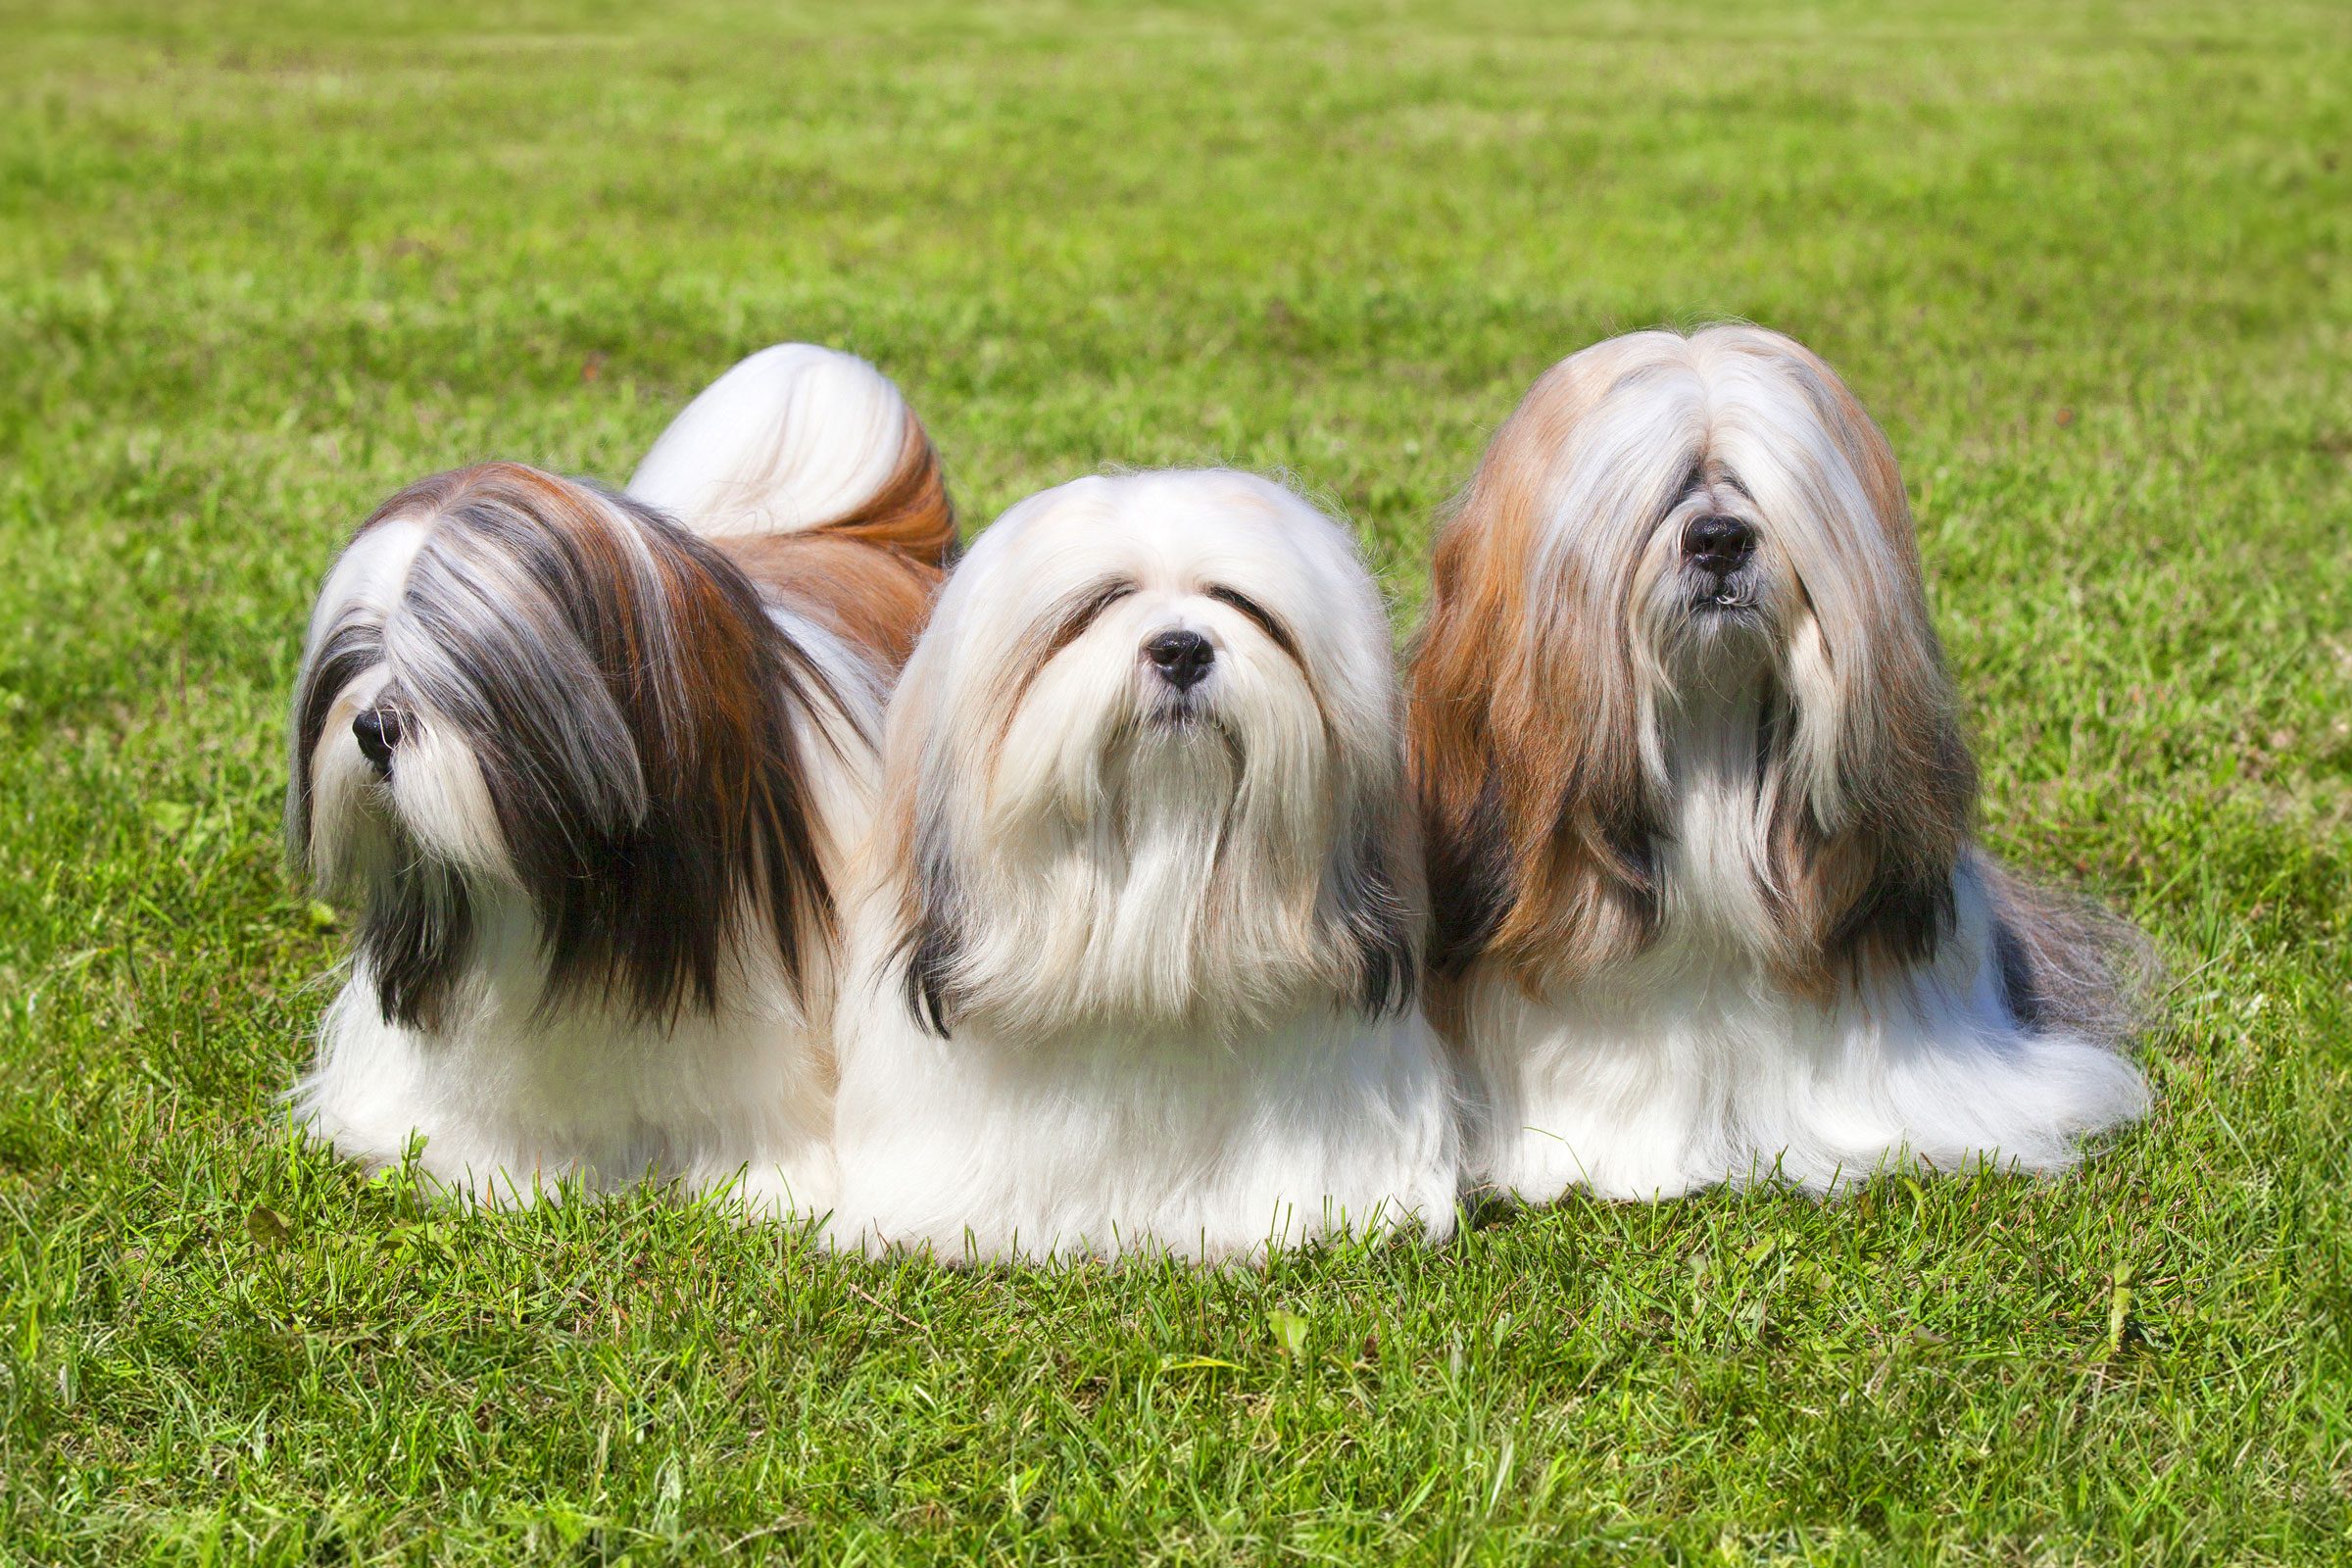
column 792, row 436
column 1153, row 1040
column 518, row 1089
column 1685, row 1069
column 1691, row 1061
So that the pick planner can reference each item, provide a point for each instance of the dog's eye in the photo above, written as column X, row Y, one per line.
column 1266, row 622
column 1089, row 609
column 1081, row 613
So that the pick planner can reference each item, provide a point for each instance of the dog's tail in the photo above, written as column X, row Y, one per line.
column 2069, row 963
column 797, row 439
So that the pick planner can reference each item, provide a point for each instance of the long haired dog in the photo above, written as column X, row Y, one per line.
column 590, row 768
column 1698, row 808
column 1136, row 972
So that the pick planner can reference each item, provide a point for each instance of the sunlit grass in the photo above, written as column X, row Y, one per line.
column 2090, row 267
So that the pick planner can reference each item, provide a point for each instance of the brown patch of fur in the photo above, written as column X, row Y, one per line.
column 871, row 595
column 870, row 574
column 910, row 512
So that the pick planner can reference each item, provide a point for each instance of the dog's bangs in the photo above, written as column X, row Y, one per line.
column 486, row 642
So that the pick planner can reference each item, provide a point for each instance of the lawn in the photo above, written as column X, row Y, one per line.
column 2090, row 265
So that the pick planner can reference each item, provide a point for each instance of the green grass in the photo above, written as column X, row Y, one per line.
column 2090, row 265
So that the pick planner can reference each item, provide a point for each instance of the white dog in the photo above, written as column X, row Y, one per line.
column 591, row 773
column 1136, row 969
column 1699, row 809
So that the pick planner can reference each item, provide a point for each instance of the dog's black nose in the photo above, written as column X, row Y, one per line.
column 1720, row 544
column 1181, row 658
column 377, row 730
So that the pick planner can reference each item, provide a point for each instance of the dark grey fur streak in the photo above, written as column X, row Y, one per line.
column 1376, row 927
column 2068, row 965
column 1469, row 884
column 631, row 707
column 934, row 944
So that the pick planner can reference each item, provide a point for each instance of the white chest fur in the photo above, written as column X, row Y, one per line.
column 1099, row 1144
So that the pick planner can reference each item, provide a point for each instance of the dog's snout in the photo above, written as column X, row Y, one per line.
column 1181, row 658
column 1719, row 543
column 377, row 730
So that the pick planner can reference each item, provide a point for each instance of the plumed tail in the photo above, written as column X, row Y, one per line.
column 799, row 438
column 2068, row 965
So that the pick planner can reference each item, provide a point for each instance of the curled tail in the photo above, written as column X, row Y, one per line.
column 799, row 439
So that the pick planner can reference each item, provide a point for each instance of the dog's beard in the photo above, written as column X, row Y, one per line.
column 1761, row 790
column 1155, row 868
column 417, row 936
column 1715, row 636
column 418, row 912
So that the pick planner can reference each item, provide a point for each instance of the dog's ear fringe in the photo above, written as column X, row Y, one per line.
column 1538, row 834
column 1877, row 893
column 417, row 937
column 1469, row 884
column 1536, row 831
